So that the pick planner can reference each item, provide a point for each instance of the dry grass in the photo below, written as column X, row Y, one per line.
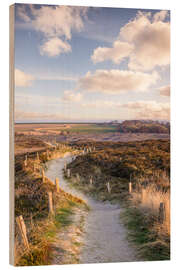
column 148, row 200
column 42, row 231
column 148, row 223
column 31, row 201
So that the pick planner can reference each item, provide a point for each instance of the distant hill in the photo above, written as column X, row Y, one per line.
column 143, row 126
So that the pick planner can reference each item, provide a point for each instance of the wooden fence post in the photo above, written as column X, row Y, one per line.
column 43, row 176
column 143, row 191
column 162, row 213
column 50, row 202
column 65, row 166
column 91, row 181
column 108, row 187
column 31, row 220
column 38, row 168
column 34, row 167
column 22, row 229
column 77, row 176
column 57, row 184
column 37, row 156
column 130, row 187
column 47, row 154
column 68, row 173
column 25, row 161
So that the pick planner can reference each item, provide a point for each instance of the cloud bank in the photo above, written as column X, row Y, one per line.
column 149, row 109
column 145, row 41
column 23, row 115
column 116, row 81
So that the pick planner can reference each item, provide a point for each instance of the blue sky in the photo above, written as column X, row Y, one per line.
column 91, row 64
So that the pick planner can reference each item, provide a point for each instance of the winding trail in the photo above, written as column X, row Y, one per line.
column 105, row 236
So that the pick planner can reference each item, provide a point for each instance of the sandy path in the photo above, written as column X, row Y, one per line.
column 105, row 236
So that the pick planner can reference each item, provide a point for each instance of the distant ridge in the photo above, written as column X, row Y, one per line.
column 144, row 126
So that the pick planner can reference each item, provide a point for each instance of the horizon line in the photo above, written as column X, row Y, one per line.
column 95, row 122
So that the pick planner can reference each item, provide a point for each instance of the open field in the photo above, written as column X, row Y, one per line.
column 79, row 128
column 77, row 132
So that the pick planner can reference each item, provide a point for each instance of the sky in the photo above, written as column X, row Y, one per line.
column 85, row 64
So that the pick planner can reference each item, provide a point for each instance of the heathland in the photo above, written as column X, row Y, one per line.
column 130, row 168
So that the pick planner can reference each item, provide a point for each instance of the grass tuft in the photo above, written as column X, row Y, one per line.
column 63, row 217
column 141, row 231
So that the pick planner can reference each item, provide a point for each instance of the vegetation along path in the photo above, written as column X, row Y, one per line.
column 104, row 237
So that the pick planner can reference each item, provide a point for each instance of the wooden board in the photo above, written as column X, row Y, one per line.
column 11, row 134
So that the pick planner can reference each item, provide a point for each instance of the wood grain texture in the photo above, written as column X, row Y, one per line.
column 11, row 134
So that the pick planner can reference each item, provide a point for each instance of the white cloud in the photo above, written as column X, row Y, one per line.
column 69, row 96
column 116, row 81
column 59, row 20
column 54, row 47
column 56, row 23
column 165, row 90
column 145, row 40
column 117, row 53
column 23, row 79
column 149, row 109
column 151, row 41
